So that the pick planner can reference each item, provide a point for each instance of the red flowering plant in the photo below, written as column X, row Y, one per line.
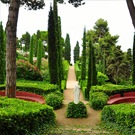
column 27, row 71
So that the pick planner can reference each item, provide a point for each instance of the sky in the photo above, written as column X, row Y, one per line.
column 74, row 20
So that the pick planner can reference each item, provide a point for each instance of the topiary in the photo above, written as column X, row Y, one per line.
column 76, row 110
column 54, row 100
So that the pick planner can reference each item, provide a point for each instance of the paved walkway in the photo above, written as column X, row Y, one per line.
column 71, row 81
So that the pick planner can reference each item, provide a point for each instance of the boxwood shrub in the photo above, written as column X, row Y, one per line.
column 98, row 100
column 19, row 117
column 122, row 115
column 54, row 100
column 76, row 110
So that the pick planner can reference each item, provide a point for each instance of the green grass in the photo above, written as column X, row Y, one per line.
column 29, row 81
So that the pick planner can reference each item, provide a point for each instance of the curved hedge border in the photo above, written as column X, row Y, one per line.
column 121, row 116
column 21, row 117
column 98, row 100
column 34, row 88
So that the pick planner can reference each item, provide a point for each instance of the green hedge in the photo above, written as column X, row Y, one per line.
column 34, row 88
column 122, row 114
column 21, row 117
column 98, row 100
column 77, row 70
column 113, row 89
column 65, row 69
column 76, row 110
column 63, row 85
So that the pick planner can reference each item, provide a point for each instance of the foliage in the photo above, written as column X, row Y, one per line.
column 54, row 100
column 133, row 63
column 27, row 71
column 83, row 62
column 2, row 54
column 76, row 52
column 27, row 41
column 77, row 70
column 67, row 48
column 102, row 78
column 45, row 75
column 122, row 114
column 104, row 63
column 31, row 51
column 39, row 54
column 65, row 69
column 76, row 110
column 22, row 117
column 52, row 49
column 63, row 86
column 98, row 100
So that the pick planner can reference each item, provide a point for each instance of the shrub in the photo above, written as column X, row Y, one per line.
column 45, row 75
column 98, row 100
column 63, row 85
column 77, row 70
column 54, row 100
column 76, row 110
column 27, row 71
column 102, row 78
column 122, row 115
column 21, row 117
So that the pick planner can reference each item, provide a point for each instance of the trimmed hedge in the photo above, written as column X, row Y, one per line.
column 122, row 114
column 54, row 100
column 63, row 85
column 76, row 110
column 35, row 88
column 98, row 100
column 113, row 89
column 21, row 117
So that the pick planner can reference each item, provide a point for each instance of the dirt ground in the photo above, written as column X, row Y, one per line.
column 93, row 116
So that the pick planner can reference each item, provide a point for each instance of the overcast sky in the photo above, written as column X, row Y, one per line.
column 74, row 19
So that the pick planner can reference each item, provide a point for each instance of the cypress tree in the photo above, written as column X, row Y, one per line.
column 83, row 63
column 39, row 54
column 27, row 41
column 2, row 55
column 31, row 51
column 89, row 81
column 57, row 36
column 94, row 76
column 52, row 49
column 104, row 63
column 67, row 48
column 133, row 62
column 99, row 66
column 38, row 35
column 76, row 52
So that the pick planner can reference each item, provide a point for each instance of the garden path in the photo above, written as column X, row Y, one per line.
column 93, row 116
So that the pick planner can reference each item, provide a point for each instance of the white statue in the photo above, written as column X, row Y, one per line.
column 76, row 92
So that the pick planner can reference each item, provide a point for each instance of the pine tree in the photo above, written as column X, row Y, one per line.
column 31, row 51
column 67, row 48
column 2, row 55
column 83, row 63
column 104, row 63
column 52, row 49
column 39, row 54
column 89, row 81
column 133, row 63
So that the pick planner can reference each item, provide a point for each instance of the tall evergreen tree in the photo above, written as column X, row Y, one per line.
column 31, row 51
column 39, row 54
column 2, row 55
column 89, row 81
column 76, row 52
column 67, row 48
column 27, row 41
column 38, row 35
column 104, row 63
column 83, row 62
column 94, row 76
column 52, row 49
column 100, row 66
column 133, row 62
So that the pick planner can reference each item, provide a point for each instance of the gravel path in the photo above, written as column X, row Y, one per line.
column 93, row 116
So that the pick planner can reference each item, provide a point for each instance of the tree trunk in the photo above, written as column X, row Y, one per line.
column 131, row 8
column 11, row 28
